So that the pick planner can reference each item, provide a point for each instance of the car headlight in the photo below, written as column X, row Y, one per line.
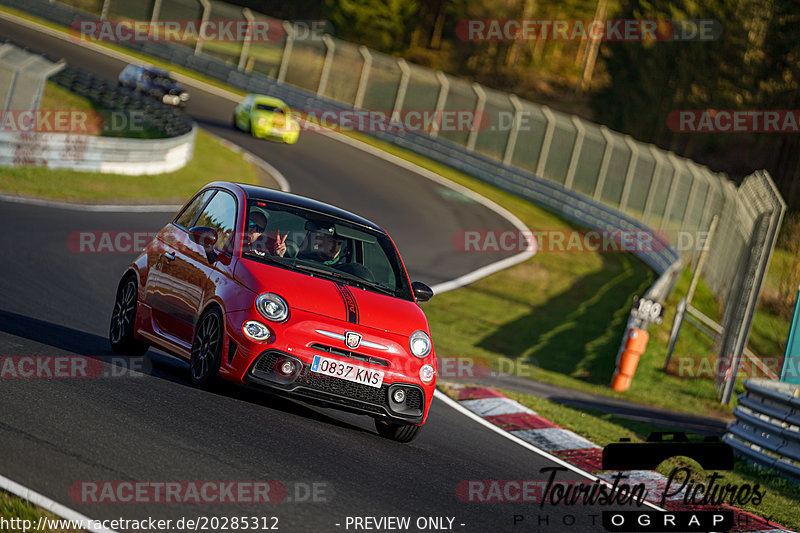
column 184, row 96
column 256, row 331
column 272, row 307
column 419, row 344
column 426, row 373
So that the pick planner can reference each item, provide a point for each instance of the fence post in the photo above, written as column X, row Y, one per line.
column 576, row 152
column 154, row 16
column 287, row 51
column 653, row 179
column 673, row 187
column 441, row 99
column 104, row 10
column 692, row 196
column 713, row 192
column 198, row 49
column 479, row 105
column 604, row 163
column 330, row 49
column 511, row 142
column 248, row 15
column 402, row 88
column 626, row 186
column 362, row 82
column 548, row 139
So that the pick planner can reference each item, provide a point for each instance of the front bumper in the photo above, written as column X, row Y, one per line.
column 329, row 391
column 255, row 363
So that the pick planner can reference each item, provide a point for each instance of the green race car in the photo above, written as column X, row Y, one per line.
column 265, row 116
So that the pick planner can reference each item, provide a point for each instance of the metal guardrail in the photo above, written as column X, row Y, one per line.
column 766, row 431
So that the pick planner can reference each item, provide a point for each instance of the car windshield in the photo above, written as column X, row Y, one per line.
column 322, row 246
column 268, row 107
column 160, row 79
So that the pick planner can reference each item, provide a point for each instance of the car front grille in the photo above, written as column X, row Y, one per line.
column 344, row 392
column 350, row 355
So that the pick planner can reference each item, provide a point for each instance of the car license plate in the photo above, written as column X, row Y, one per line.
column 346, row 371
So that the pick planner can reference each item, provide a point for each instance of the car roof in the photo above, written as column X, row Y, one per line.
column 156, row 70
column 264, row 99
column 272, row 195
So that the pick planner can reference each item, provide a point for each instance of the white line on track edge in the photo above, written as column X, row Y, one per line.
column 49, row 505
column 469, row 414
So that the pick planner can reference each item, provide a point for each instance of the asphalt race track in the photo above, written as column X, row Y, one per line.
column 151, row 425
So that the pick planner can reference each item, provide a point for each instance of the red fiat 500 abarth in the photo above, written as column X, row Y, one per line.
column 276, row 290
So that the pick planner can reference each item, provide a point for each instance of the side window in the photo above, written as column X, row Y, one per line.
column 189, row 214
column 220, row 214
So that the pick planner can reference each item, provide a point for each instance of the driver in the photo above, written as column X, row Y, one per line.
column 323, row 246
column 255, row 239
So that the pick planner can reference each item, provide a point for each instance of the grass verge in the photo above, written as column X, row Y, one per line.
column 16, row 508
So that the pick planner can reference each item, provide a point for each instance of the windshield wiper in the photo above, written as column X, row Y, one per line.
column 268, row 258
column 359, row 282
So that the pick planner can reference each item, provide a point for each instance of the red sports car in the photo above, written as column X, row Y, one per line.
column 275, row 290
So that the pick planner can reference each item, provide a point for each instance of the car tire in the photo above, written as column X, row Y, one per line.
column 397, row 432
column 233, row 122
column 123, row 320
column 207, row 349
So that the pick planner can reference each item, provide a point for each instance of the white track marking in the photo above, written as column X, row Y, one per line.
column 49, row 505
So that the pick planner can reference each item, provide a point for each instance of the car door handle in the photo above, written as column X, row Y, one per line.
column 169, row 256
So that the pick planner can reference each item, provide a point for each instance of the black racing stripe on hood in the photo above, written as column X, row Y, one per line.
column 350, row 303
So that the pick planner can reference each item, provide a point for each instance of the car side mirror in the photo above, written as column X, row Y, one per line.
column 206, row 237
column 422, row 292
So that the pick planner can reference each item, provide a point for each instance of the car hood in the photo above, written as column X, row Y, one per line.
column 333, row 299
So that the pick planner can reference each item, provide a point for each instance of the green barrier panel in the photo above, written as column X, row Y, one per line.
column 791, row 358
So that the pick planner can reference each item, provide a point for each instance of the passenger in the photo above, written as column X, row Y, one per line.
column 256, row 240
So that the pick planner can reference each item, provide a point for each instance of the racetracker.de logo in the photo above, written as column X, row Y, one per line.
column 111, row 242
column 571, row 241
column 203, row 492
column 372, row 121
column 734, row 121
column 200, row 492
column 260, row 30
column 587, row 29
column 70, row 121
column 71, row 367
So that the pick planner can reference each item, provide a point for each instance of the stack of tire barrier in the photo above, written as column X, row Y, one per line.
column 155, row 116
column 767, row 427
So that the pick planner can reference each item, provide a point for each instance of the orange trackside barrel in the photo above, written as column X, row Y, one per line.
column 635, row 343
